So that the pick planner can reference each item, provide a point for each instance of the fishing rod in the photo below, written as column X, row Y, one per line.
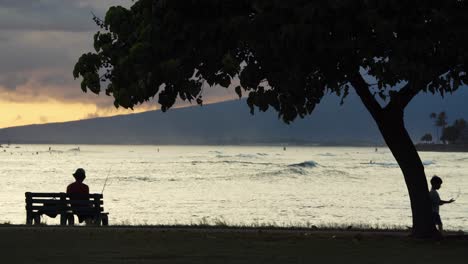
column 105, row 182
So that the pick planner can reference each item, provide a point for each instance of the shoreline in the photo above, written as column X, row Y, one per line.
column 442, row 147
column 419, row 147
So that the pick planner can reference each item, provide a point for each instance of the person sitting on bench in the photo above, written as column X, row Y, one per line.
column 77, row 189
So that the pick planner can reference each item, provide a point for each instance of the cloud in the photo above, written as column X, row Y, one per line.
column 28, row 50
column 40, row 42
column 37, row 65
column 92, row 115
column 58, row 15
column 12, row 80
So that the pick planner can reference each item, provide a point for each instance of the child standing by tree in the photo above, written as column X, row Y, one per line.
column 436, row 182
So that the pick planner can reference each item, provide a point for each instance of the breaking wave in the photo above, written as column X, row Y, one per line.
column 232, row 162
column 327, row 154
column 428, row 162
column 305, row 164
column 247, row 156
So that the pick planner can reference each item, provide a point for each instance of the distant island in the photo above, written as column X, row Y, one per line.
column 225, row 123
column 230, row 123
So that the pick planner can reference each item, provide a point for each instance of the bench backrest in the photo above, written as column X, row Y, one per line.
column 64, row 202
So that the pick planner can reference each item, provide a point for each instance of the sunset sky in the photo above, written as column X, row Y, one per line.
column 40, row 41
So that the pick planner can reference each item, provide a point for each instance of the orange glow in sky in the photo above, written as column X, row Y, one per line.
column 50, row 111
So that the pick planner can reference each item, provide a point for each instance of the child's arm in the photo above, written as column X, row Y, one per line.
column 442, row 202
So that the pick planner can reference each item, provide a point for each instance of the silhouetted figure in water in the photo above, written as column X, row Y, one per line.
column 77, row 189
column 436, row 183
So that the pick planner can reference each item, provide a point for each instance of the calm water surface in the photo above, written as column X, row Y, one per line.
column 233, row 184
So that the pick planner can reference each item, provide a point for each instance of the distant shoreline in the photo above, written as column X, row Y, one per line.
column 247, row 144
column 419, row 147
column 442, row 147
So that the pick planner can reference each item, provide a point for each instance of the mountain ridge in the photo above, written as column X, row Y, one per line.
column 229, row 122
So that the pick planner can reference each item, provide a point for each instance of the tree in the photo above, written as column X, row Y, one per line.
column 434, row 116
column 441, row 122
column 453, row 133
column 427, row 138
column 287, row 55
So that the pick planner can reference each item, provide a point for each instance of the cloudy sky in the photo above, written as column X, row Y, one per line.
column 40, row 41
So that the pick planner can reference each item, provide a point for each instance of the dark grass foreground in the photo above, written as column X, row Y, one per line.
column 48, row 244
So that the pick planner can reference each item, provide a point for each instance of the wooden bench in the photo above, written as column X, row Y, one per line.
column 65, row 205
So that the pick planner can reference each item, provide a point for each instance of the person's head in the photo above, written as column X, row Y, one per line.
column 436, row 182
column 79, row 175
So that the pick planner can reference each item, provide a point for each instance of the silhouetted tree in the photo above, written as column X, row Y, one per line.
column 452, row 133
column 434, row 116
column 427, row 138
column 441, row 122
column 287, row 55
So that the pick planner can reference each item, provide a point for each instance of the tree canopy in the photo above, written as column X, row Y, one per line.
column 286, row 54
column 453, row 133
column 426, row 137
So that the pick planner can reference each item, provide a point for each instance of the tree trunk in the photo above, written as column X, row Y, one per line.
column 391, row 125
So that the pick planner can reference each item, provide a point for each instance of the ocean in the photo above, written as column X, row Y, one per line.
column 234, row 185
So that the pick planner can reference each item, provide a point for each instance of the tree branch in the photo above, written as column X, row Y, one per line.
column 362, row 89
column 400, row 99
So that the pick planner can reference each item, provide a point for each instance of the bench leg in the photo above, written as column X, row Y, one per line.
column 37, row 219
column 63, row 219
column 29, row 219
column 71, row 219
column 104, row 219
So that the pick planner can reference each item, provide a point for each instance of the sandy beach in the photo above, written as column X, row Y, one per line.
column 53, row 244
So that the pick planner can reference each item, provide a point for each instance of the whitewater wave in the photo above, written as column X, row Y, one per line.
column 285, row 172
column 243, row 156
column 232, row 162
column 382, row 164
column 385, row 164
column 327, row 154
column 305, row 164
column 296, row 170
column 394, row 164
column 146, row 179
column 246, row 156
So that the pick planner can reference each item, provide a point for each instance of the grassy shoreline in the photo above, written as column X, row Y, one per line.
column 205, row 244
